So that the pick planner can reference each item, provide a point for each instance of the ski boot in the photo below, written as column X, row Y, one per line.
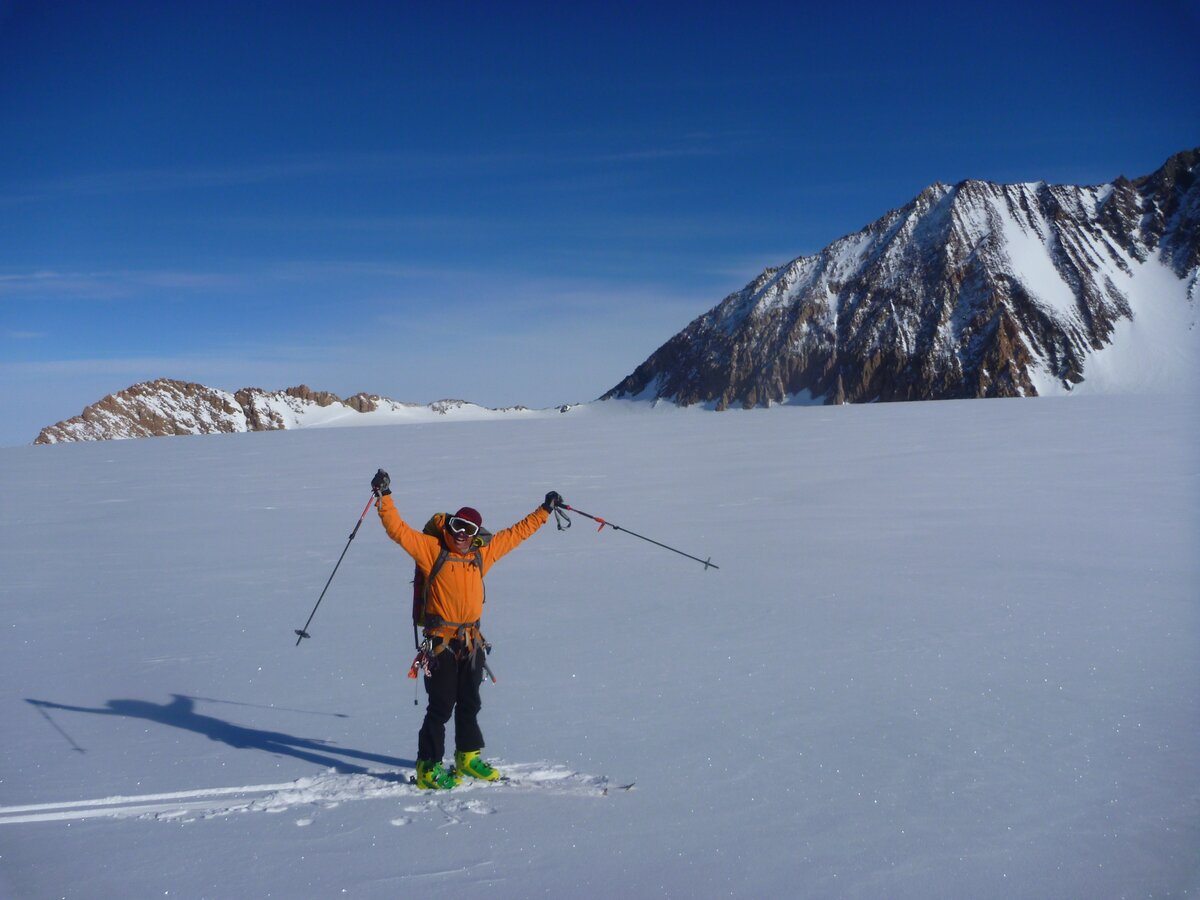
column 432, row 776
column 468, row 762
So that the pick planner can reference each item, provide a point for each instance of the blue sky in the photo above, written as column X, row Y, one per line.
column 506, row 203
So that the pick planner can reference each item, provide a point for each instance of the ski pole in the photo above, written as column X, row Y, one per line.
column 707, row 563
column 303, row 632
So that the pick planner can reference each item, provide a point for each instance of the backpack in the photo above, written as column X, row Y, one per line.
column 433, row 528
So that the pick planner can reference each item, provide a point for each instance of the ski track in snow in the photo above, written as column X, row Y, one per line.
column 325, row 791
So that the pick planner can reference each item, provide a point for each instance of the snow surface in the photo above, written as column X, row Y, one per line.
column 1159, row 348
column 297, row 413
column 1032, row 261
column 952, row 650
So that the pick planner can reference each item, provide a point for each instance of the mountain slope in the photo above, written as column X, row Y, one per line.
column 971, row 290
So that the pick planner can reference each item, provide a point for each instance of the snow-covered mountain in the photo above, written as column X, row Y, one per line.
column 971, row 290
column 169, row 407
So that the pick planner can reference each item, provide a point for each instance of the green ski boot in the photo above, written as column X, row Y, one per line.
column 431, row 776
column 468, row 762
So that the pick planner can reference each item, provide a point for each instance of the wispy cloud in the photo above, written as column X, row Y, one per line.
column 379, row 165
column 126, row 367
column 547, row 341
column 562, row 307
column 656, row 154
column 399, row 224
column 129, row 181
column 109, row 285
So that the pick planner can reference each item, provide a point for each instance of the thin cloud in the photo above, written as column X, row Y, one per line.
column 417, row 223
column 135, row 368
column 656, row 154
column 110, row 285
column 409, row 164
column 134, row 181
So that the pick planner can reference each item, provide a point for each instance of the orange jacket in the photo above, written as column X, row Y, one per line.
column 456, row 595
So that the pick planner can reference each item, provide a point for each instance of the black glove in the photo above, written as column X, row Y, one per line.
column 553, row 501
column 381, row 484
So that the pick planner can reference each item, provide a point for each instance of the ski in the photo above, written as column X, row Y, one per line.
column 525, row 777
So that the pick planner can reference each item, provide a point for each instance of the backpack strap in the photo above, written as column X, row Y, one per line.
column 468, row 635
column 437, row 567
column 434, row 569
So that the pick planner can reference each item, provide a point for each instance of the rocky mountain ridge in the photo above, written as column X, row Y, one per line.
column 971, row 290
column 170, row 407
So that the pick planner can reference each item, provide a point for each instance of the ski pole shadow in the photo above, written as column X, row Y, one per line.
column 181, row 713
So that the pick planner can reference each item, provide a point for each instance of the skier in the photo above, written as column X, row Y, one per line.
column 455, row 651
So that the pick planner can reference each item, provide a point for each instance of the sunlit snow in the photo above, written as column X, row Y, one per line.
column 951, row 651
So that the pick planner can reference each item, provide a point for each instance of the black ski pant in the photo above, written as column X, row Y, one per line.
column 453, row 689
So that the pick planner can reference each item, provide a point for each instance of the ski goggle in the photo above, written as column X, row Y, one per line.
column 462, row 526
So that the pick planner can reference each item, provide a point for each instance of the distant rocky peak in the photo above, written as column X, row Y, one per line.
column 972, row 290
column 167, row 406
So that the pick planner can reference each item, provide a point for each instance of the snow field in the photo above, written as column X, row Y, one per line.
column 950, row 651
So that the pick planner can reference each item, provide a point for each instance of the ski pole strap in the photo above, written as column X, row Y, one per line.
column 561, row 519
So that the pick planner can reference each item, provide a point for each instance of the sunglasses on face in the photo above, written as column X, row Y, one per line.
column 462, row 527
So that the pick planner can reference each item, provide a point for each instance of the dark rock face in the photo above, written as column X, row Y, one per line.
column 975, row 290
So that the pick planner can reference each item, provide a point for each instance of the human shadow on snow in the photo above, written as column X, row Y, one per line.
column 181, row 713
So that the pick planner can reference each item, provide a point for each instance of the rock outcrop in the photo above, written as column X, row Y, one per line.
column 170, row 407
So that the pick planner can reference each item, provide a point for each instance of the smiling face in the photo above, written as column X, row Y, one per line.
column 460, row 530
column 458, row 541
